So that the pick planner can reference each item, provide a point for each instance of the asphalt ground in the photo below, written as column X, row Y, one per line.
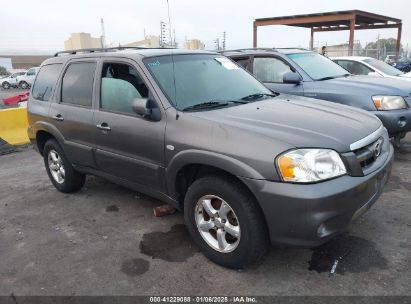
column 104, row 240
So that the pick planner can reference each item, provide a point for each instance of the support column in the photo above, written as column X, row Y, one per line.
column 351, row 41
column 254, row 35
column 398, row 41
column 312, row 39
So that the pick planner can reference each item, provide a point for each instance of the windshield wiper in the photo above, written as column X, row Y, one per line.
column 333, row 77
column 211, row 104
column 258, row 96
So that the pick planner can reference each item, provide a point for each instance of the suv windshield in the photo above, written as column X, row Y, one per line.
column 317, row 66
column 189, row 80
column 383, row 67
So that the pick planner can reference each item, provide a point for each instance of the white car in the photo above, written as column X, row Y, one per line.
column 25, row 81
column 370, row 66
column 11, row 81
column 390, row 59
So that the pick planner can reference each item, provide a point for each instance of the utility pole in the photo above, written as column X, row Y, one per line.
column 169, row 23
column 163, row 30
column 224, row 37
column 378, row 47
column 103, row 34
column 217, row 44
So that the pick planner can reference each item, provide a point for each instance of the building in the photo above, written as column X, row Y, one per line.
column 150, row 41
column 194, row 44
column 81, row 41
column 19, row 62
column 5, row 62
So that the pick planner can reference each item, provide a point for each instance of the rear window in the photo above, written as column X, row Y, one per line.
column 77, row 87
column 45, row 81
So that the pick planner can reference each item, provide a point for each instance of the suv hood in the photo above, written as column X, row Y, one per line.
column 375, row 85
column 297, row 122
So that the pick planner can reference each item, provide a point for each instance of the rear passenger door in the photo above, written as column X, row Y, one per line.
column 271, row 70
column 129, row 147
column 72, row 113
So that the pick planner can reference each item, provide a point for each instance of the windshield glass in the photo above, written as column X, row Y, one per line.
column 383, row 67
column 196, row 79
column 317, row 66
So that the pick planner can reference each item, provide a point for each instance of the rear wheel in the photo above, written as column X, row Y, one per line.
column 60, row 171
column 225, row 221
column 6, row 85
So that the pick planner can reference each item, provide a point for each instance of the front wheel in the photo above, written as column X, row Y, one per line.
column 6, row 85
column 225, row 221
column 59, row 169
column 24, row 85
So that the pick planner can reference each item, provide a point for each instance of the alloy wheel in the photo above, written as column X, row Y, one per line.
column 56, row 166
column 217, row 223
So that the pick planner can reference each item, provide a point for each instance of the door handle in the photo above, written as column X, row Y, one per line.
column 104, row 127
column 58, row 117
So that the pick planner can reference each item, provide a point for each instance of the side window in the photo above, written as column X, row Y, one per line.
column 270, row 69
column 120, row 85
column 31, row 72
column 45, row 81
column 355, row 68
column 243, row 62
column 77, row 86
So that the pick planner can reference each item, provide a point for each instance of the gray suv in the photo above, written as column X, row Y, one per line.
column 195, row 130
column 306, row 73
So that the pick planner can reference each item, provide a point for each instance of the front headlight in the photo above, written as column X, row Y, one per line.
column 384, row 103
column 310, row 165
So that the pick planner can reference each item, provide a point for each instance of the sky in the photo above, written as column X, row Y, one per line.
column 42, row 26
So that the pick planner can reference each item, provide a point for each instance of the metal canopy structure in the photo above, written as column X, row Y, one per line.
column 334, row 21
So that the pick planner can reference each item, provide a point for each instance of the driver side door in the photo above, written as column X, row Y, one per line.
column 128, row 146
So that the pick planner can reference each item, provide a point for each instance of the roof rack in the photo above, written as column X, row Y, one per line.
column 249, row 49
column 293, row 48
column 111, row 49
column 265, row 49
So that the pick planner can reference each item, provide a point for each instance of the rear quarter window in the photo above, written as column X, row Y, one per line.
column 45, row 81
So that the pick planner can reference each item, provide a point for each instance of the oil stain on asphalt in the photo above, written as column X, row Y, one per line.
column 172, row 246
column 346, row 253
column 135, row 267
column 112, row 208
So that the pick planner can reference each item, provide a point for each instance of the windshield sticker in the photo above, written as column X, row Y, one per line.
column 227, row 63
column 154, row 64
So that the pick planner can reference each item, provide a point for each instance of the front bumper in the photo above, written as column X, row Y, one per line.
column 309, row 215
column 396, row 121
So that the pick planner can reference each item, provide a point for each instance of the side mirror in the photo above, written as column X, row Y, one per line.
column 141, row 106
column 292, row 78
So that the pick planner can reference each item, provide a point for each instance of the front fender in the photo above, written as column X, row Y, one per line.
column 199, row 157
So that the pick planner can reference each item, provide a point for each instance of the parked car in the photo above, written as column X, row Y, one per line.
column 369, row 66
column 306, row 73
column 390, row 59
column 10, row 81
column 404, row 66
column 26, row 80
column 195, row 130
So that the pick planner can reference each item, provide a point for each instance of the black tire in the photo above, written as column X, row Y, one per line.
column 6, row 85
column 23, row 85
column 73, row 180
column 253, row 242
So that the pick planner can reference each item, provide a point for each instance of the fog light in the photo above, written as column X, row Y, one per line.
column 402, row 122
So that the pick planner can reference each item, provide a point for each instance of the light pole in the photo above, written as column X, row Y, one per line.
column 169, row 23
